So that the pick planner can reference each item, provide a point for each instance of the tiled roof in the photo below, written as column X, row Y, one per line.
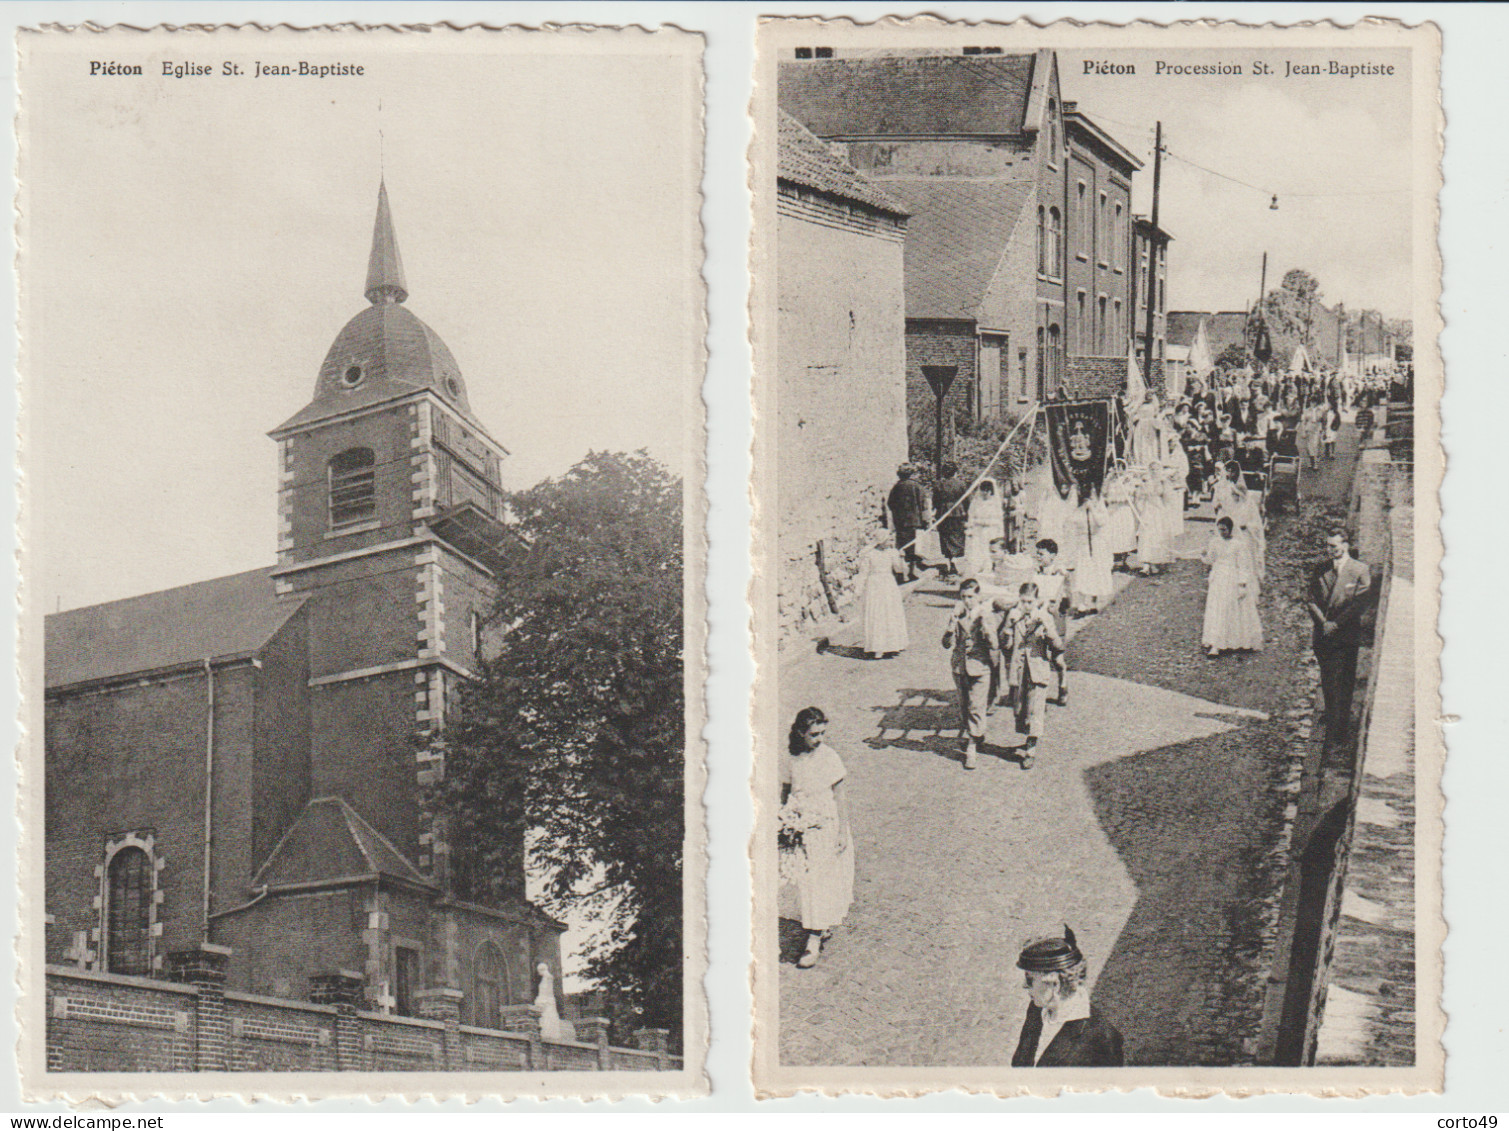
column 806, row 161
column 901, row 97
column 331, row 841
column 955, row 239
column 227, row 616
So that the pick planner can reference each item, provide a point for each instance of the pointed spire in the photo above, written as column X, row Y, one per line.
column 385, row 282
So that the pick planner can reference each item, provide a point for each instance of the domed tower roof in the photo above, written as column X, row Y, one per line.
column 385, row 351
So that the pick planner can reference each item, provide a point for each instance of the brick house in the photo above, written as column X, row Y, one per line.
column 841, row 361
column 235, row 762
column 979, row 149
column 1150, row 257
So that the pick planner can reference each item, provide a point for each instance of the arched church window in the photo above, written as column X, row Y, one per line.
column 353, row 494
column 491, row 987
column 128, row 913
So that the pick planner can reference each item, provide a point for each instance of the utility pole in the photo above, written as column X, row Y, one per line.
column 1262, row 291
column 1152, row 256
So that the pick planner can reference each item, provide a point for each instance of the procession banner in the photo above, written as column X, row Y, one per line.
column 1079, row 434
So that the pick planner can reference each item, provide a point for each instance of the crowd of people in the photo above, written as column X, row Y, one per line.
column 1020, row 588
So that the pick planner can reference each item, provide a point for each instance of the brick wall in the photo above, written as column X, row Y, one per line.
column 111, row 1023
column 1095, row 376
column 840, row 393
column 939, row 343
column 130, row 759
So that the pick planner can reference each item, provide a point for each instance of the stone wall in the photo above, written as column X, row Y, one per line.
column 113, row 1023
column 1364, row 1009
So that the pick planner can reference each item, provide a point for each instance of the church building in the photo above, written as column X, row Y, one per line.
column 238, row 765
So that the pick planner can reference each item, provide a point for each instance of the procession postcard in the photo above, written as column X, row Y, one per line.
column 1096, row 473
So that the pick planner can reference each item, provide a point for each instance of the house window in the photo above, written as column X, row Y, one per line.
column 406, row 979
column 353, row 494
column 490, row 987
column 1042, row 240
column 1052, row 132
column 1056, row 355
column 1101, row 235
column 1042, row 364
column 1118, row 232
column 1081, row 338
column 128, row 914
column 1055, row 242
column 1082, row 221
column 1118, row 325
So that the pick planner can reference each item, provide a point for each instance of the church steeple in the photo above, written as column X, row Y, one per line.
column 385, row 282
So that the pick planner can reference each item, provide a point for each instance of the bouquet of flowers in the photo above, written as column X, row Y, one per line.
column 794, row 824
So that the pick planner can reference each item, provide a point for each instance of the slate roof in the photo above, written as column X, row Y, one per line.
column 227, row 616
column 970, row 95
column 332, row 841
column 955, row 240
column 397, row 354
column 806, row 161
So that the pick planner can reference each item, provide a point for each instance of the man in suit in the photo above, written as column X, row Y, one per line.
column 973, row 637
column 907, row 504
column 1337, row 598
column 1062, row 1029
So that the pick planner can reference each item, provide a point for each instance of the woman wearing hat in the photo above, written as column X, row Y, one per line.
column 1062, row 1029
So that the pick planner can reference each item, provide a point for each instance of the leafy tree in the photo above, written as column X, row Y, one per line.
column 1234, row 356
column 576, row 731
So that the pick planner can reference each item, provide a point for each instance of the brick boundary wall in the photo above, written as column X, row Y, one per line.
column 115, row 1023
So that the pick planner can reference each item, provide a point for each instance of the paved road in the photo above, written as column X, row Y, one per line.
column 1143, row 824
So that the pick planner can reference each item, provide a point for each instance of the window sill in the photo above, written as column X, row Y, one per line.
column 1083, row 257
column 352, row 528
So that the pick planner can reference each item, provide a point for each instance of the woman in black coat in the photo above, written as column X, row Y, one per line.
column 1062, row 1029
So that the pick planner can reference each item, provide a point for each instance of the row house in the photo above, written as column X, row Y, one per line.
column 1018, row 260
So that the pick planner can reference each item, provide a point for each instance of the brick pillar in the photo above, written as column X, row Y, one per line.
column 528, row 1023
column 594, row 1031
column 204, row 969
column 342, row 989
column 444, row 1005
column 656, row 1041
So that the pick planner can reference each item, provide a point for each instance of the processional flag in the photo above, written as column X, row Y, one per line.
column 1079, row 433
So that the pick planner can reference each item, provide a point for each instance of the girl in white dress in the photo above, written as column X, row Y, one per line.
column 1121, row 521
column 884, row 614
column 1177, row 462
column 1231, row 612
column 986, row 523
column 1233, row 499
column 816, row 847
column 1094, row 584
column 1153, row 552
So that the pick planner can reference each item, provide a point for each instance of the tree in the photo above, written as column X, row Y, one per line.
column 1290, row 312
column 576, row 730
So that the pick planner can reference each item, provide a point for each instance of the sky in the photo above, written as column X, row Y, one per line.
column 191, row 247
column 1292, row 135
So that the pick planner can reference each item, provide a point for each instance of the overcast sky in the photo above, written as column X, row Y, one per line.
column 1287, row 135
column 193, row 246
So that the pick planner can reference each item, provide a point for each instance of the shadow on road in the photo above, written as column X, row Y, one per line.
column 1191, row 822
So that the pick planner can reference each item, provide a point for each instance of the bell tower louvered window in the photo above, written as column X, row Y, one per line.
column 353, row 494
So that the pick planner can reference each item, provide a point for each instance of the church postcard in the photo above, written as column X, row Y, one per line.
column 1097, row 727
column 362, row 638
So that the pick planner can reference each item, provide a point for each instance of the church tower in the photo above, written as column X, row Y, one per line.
column 388, row 527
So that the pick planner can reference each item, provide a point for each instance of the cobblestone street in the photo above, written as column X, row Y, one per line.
column 1148, row 823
